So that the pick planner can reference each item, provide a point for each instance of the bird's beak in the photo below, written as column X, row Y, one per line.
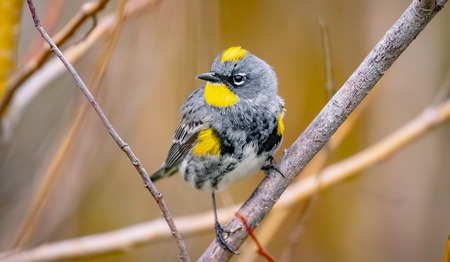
column 211, row 77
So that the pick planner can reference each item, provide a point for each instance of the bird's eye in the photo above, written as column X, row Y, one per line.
column 239, row 79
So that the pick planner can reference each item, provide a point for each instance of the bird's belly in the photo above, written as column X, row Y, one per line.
column 215, row 173
column 250, row 164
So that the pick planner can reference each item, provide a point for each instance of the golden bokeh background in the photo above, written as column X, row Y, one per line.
column 396, row 210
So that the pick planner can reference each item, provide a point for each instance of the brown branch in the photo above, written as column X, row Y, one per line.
column 40, row 198
column 117, row 240
column 379, row 60
column 430, row 118
column 87, row 10
column 306, row 186
column 124, row 238
column 53, row 67
column 122, row 145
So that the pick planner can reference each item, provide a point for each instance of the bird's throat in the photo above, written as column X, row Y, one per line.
column 219, row 95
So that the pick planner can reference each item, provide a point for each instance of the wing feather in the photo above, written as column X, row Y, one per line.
column 183, row 141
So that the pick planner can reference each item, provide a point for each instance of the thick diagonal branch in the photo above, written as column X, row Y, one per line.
column 360, row 83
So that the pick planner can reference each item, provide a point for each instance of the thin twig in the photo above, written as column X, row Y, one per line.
column 40, row 198
column 329, row 81
column 87, row 10
column 117, row 240
column 39, row 80
column 50, row 21
column 122, row 145
column 311, row 184
column 139, row 234
column 319, row 132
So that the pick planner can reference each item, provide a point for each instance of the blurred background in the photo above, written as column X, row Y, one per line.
column 396, row 210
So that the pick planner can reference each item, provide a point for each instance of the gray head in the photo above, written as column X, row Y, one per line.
column 242, row 73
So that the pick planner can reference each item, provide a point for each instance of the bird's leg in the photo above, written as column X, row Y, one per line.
column 219, row 230
column 271, row 166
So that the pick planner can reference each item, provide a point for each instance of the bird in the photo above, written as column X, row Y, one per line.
column 230, row 127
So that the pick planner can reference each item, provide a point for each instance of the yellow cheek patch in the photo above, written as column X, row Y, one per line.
column 280, row 128
column 219, row 95
column 208, row 142
column 234, row 54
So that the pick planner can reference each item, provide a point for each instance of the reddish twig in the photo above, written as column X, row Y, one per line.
column 261, row 251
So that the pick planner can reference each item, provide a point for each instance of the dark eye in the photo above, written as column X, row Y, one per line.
column 239, row 79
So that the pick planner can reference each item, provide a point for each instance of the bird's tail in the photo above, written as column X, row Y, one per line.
column 163, row 172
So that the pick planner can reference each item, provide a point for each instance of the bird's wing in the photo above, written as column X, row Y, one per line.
column 185, row 135
column 183, row 140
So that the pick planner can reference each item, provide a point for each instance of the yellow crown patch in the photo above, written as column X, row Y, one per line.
column 234, row 54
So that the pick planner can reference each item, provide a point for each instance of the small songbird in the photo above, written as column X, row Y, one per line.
column 230, row 127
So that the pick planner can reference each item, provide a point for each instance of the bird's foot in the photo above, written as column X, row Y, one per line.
column 271, row 166
column 221, row 240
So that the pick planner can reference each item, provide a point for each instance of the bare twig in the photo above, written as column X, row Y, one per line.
column 39, row 80
column 123, row 146
column 39, row 199
column 308, row 185
column 86, row 11
column 395, row 41
column 50, row 20
column 139, row 234
column 117, row 240
column 329, row 82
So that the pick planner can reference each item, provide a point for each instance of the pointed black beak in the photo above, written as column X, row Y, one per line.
column 211, row 77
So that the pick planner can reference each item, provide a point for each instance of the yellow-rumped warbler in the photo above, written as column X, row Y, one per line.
column 230, row 127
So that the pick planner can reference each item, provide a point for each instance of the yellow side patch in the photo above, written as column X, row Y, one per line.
column 207, row 143
column 219, row 95
column 280, row 128
column 234, row 54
